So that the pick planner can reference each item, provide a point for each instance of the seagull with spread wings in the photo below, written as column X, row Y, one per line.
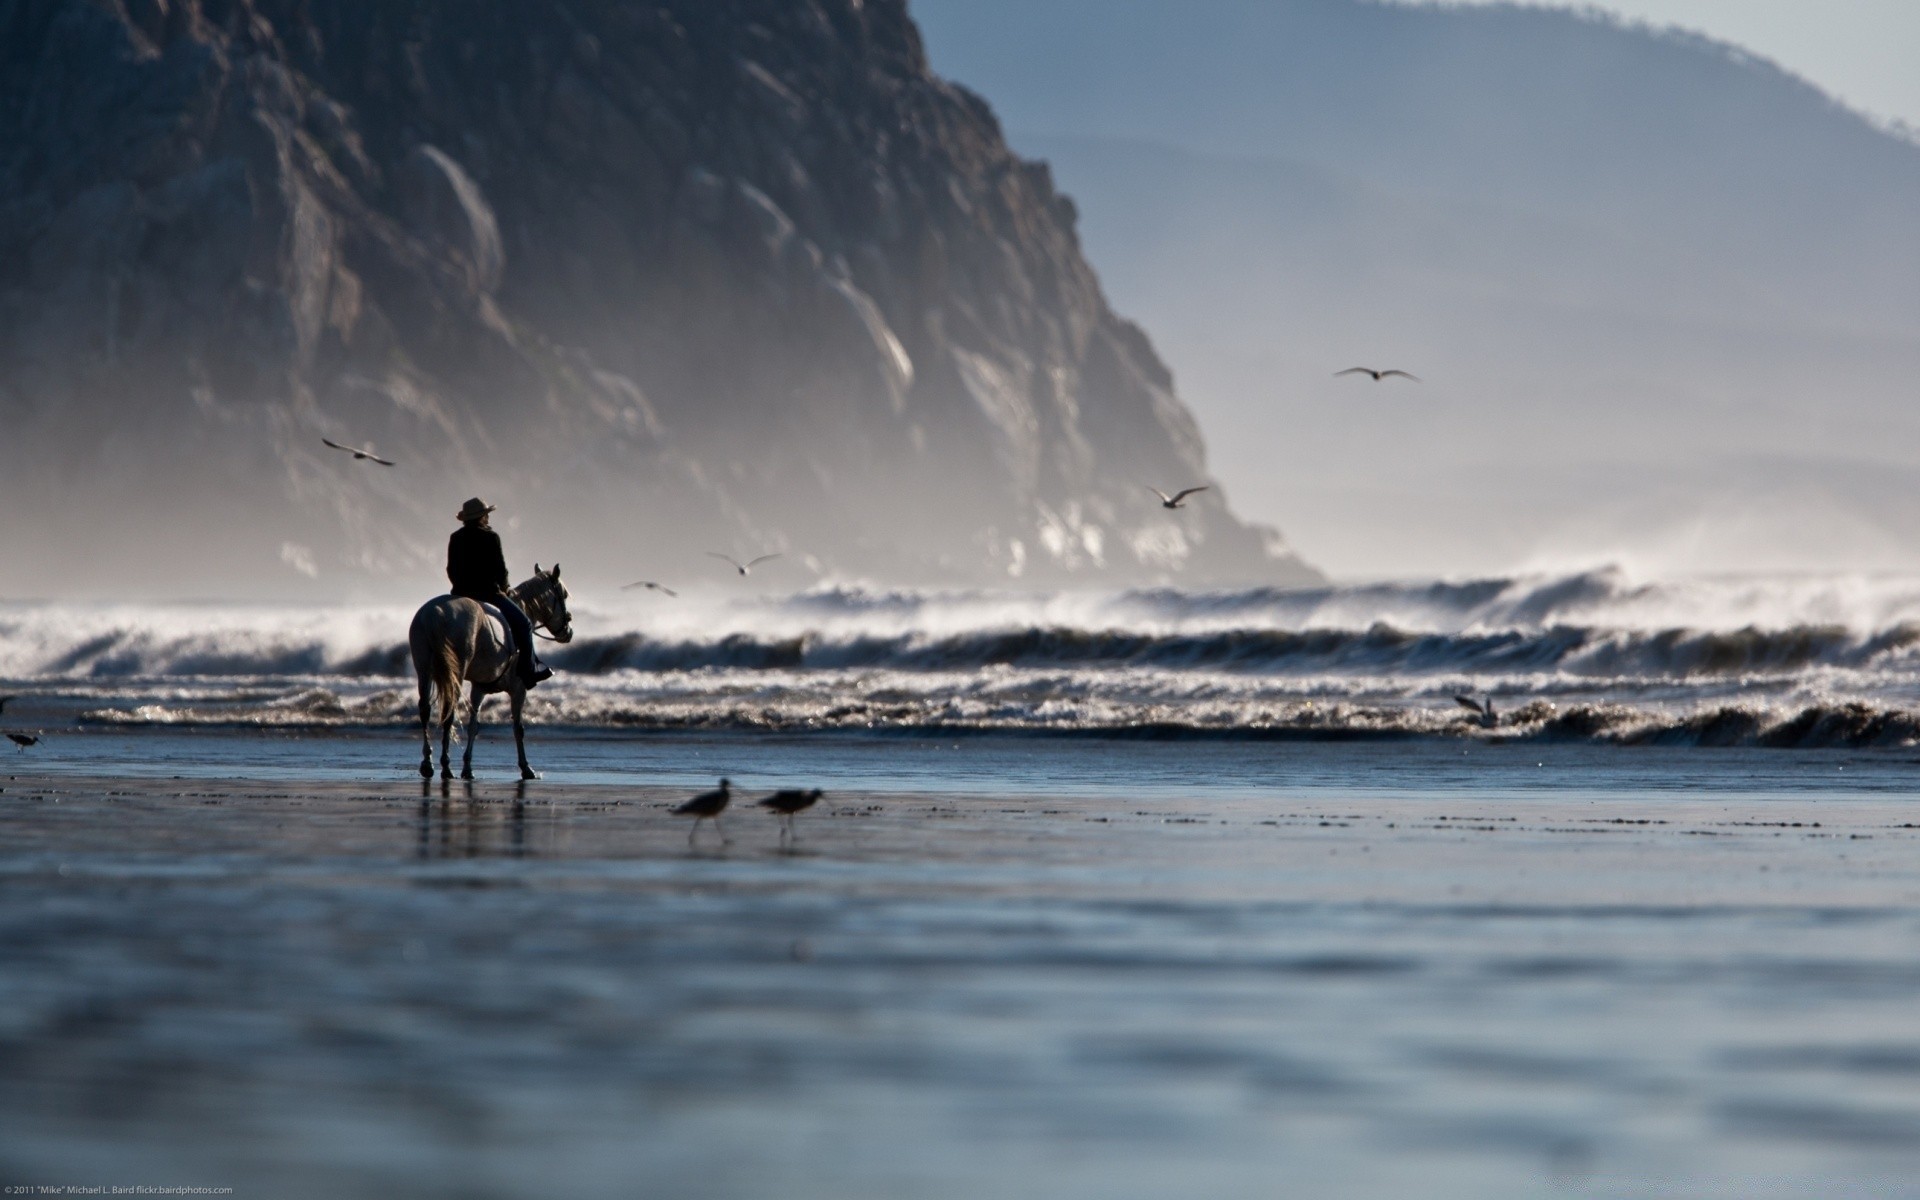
column 357, row 454
column 1488, row 718
column 1176, row 500
column 1377, row 375
column 651, row 586
column 742, row 567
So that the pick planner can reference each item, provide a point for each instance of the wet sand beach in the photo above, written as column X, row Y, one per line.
column 1031, row 967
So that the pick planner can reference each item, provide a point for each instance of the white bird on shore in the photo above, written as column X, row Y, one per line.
column 651, row 586
column 1175, row 500
column 742, row 567
column 357, row 454
column 1488, row 718
column 1377, row 375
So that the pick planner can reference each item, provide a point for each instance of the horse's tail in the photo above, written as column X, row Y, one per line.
column 446, row 679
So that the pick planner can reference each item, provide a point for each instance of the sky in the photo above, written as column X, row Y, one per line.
column 1663, row 301
column 1865, row 52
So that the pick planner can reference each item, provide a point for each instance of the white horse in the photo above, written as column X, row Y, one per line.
column 454, row 639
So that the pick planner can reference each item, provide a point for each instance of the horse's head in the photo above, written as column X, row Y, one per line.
column 545, row 599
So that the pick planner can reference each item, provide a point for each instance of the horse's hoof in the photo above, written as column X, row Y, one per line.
column 529, row 773
column 467, row 775
column 426, row 770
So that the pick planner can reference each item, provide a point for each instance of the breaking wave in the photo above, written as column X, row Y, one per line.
column 1594, row 655
column 1847, row 725
column 1381, row 648
column 1595, row 624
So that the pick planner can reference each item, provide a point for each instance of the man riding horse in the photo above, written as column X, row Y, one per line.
column 477, row 569
column 454, row 641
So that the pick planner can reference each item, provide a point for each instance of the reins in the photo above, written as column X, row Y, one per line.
column 545, row 592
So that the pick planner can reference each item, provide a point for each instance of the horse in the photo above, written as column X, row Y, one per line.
column 454, row 639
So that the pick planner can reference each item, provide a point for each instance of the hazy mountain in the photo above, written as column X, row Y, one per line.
column 730, row 274
column 1627, row 263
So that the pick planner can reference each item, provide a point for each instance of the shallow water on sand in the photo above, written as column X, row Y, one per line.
column 991, row 966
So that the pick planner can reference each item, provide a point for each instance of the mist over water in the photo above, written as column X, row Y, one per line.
column 1660, row 293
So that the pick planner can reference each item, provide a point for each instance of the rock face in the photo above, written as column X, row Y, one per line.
column 708, row 274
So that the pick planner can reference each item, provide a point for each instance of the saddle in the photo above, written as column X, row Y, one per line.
column 501, row 629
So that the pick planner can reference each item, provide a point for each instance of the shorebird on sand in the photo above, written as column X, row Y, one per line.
column 1175, row 500
column 23, row 740
column 357, row 453
column 650, row 585
column 742, row 567
column 707, row 806
column 1377, row 375
column 1488, row 718
column 787, row 803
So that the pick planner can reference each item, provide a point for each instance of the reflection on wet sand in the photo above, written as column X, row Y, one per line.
column 472, row 825
column 496, row 991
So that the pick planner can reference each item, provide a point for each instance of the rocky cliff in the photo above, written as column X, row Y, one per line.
column 707, row 274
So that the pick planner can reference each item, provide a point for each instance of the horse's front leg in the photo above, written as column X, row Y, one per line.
column 519, row 697
column 473, row 729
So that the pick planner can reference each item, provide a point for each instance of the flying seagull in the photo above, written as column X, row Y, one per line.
column 1488, row 718
column 23, row 740
column 707, row 806
column 786, row 803
column 1377, row 375
column 358, row 454
column 651, row 586
column 1173, row 501
column 742, row 567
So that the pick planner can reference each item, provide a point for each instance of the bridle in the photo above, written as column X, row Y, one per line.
column 537, row 595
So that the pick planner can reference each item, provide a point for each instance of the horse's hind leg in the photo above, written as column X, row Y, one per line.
column 446, row 741
column 519, row 698
column 473, row 729
column 426, row 731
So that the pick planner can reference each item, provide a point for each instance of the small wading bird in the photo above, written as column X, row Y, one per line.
column 1377, row 375
column 357, row 454
column 787, row 803
column 23, row 740
column 651, row 586
column 1175, row 500
column 1488, row 718
column 742, row 567
column 707, row 806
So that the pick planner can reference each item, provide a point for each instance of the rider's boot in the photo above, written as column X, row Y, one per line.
column 533, row 672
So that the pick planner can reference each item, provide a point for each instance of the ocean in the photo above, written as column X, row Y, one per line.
column 1128, row 894
column 1590, row 656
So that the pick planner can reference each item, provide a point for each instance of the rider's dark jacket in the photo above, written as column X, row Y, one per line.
column 476, row 566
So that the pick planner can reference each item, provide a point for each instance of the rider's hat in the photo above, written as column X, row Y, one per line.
column 474, row 509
